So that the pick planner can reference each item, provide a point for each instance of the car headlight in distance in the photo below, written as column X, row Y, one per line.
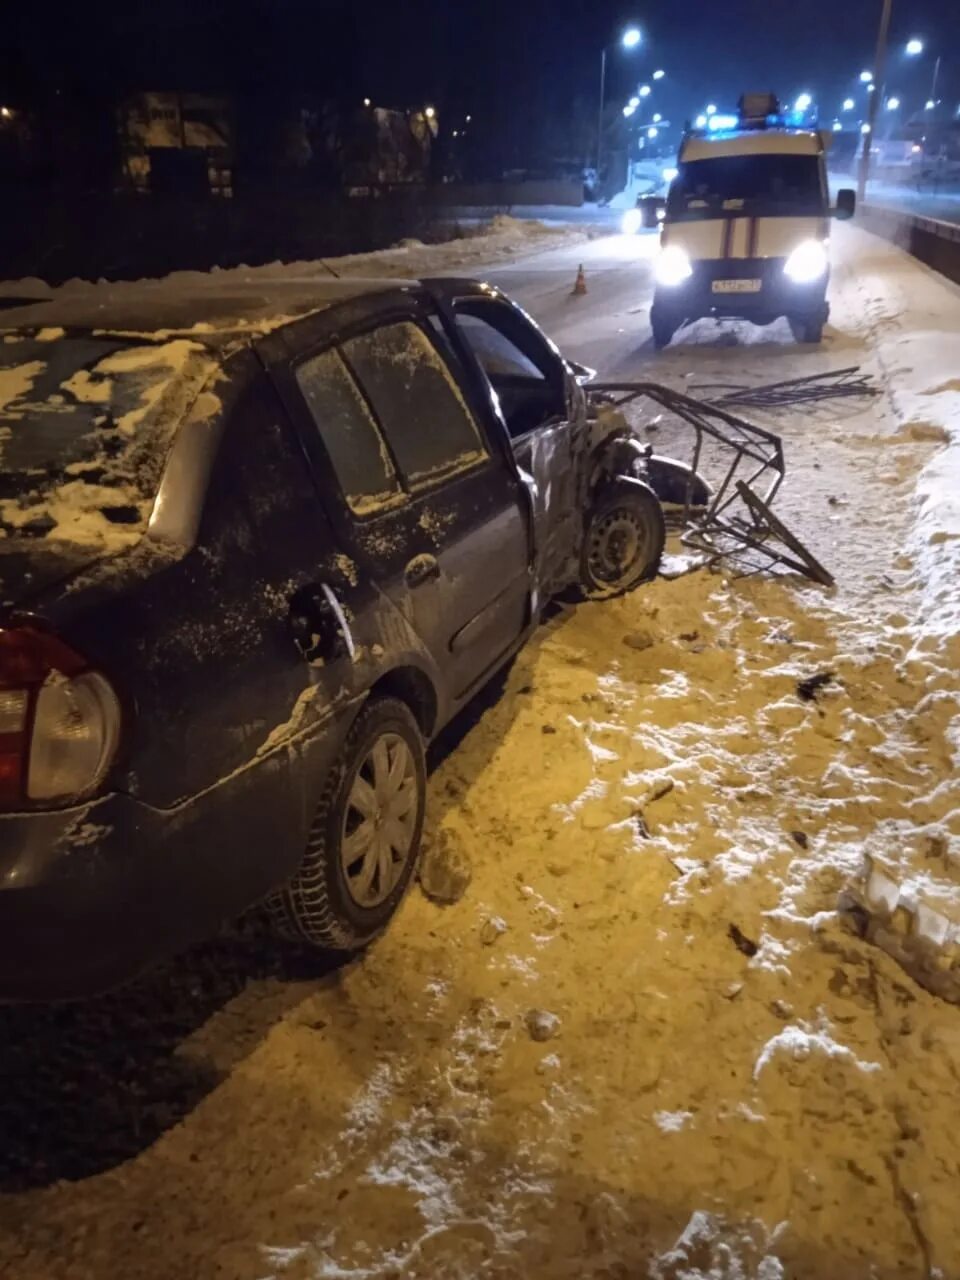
column 631, row 222
column 807, row 263
column 672, row 266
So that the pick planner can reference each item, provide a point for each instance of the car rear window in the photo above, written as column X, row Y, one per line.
column 428, row 426
column 785, row 181
column 85, row 427
column 349, row 432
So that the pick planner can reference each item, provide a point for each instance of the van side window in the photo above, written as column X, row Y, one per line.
column 428, row 426
column 349, row 432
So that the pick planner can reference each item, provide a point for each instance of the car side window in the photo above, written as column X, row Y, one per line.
column 526, row 375
column 425, row 419
column 498, row 356
column 349, row 432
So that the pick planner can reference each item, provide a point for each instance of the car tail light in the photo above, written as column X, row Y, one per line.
column 59, row 721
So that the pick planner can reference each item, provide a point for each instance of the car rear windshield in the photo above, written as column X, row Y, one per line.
column 85, row 426
column 781, row 182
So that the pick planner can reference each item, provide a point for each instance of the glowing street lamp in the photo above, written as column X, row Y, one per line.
column 634, row 102
column 929, row 105
column 366, row 102
column 848, row 104
column 657, row 117
column 630, row 39
column 893, row 104
column 644, row 91
column 701, row 122
column 652, row 131
column 865, row 129
column 658, row 75
column 711, row 109
column 628, row 110
column 913, row 48
column 430, row 113
column 866, row 77
column 804, row 102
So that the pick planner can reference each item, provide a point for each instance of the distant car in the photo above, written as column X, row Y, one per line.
column 256, row 549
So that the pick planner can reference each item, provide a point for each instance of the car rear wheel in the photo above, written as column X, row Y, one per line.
column 365, row 839
column 623, row 543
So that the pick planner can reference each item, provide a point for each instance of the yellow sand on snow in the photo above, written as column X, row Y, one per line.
column 786, row 1114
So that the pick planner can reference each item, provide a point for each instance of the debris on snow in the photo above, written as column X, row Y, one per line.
column 445, row 871
column 493, row 927
column 541, row 1024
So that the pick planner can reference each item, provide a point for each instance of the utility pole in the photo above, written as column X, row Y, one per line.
column 879, row 62
column 603, row 90
column 936, row 77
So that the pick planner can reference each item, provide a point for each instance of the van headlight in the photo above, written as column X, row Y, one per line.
column 631, row 222
column 672, row 267
column 807, row 263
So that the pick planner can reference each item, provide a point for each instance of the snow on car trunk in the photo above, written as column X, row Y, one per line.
column 85, row 424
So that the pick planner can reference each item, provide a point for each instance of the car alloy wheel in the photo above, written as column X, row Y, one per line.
column 379, row 821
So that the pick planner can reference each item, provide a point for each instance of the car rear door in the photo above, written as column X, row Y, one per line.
column 424, row 502
column 531, row 387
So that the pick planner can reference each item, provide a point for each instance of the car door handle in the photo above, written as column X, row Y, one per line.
column 319, row 624
column 421, row 569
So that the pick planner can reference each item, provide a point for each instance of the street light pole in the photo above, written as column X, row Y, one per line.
column 873, row 106
column 603, row 88
column 936, row 77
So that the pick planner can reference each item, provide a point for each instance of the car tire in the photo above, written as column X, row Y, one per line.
column 809, row 332
column 623, row 542
column 378, row 783
column 662, row 328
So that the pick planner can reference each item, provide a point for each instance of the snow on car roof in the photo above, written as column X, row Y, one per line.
column 209, row 310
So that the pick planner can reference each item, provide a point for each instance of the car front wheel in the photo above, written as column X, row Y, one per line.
column 365, row 838
column 624, row 541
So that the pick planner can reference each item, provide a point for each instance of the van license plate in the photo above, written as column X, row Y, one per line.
column 737, row 286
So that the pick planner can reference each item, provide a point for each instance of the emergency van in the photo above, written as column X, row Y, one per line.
column 745, row 230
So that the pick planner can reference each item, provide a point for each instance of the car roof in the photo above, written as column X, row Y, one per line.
column 751, row 142
column 211, row 309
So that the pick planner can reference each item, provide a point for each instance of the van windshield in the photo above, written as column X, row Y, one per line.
column 755, row 183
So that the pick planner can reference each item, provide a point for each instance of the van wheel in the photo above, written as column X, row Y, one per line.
column 624, row 541
column 806, row 331
column 365, row 839
column 663, row 329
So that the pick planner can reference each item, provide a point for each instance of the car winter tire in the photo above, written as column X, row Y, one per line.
column 623, row 542
column 365, row 838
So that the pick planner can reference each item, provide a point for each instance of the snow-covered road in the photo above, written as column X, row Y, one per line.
column 645, row 1043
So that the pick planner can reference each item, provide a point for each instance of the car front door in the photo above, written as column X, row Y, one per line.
column 428, row 509
column 532, row 389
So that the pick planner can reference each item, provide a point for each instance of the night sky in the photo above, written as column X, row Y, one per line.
column 509, row 62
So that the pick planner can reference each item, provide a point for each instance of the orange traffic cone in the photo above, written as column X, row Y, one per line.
column 580, row 284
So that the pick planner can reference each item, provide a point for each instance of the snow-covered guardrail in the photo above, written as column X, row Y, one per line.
column 935, row 243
